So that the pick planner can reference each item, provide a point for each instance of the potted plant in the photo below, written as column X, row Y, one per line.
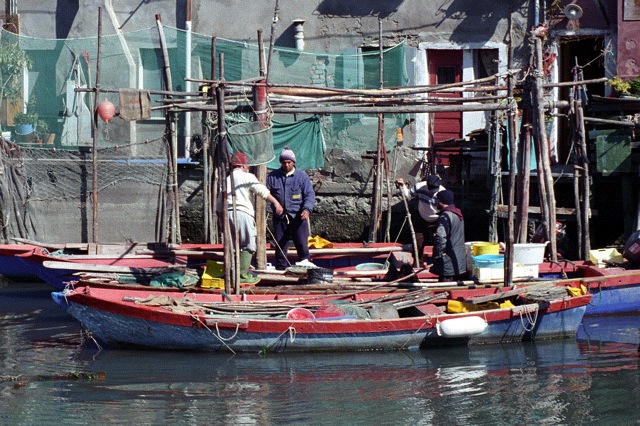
column 25, row 122
column 620, row 87
column 41, row 131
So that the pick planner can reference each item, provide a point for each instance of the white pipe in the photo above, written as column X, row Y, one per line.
column 127, row 53
column 187, row 115
column 299, row 33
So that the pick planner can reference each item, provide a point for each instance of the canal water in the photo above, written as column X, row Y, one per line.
column 47, row 377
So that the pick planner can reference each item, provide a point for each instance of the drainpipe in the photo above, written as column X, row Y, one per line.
column 299, row 33
column 187, row 115
column 127, row 53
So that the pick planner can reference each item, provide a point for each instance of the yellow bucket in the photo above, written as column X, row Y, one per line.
column 485, row 248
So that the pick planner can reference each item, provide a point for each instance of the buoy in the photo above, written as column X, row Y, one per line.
column 461, row 327
column 106, row 110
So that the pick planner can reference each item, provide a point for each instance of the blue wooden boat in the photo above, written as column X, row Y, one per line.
column 277, row 323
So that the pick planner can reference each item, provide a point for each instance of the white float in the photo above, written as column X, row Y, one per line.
column 461, row 327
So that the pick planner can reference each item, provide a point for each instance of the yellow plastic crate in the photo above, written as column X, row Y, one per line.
column 212, row 275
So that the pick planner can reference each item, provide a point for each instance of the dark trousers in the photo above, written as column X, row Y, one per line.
column 285, row 230
column 424, row 233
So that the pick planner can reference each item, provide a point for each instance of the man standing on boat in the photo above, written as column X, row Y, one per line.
column 449, row 257
column 428, row 211
column 245, row 185
column 293, row 189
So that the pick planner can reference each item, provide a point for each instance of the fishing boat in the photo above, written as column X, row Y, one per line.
column 142, row 263
column 12, row 268
column 349, row 322
column 615, row 290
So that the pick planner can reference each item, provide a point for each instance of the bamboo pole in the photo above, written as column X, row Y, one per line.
column 231, row 254
column 175, row 236
column 524, row 181
column 543, row 159
column 208, row 199
column 412, row 230
column 94, row 153
column 586, row 191
column 260, row 111
column 376, row 202
column 272, row 39
column 513, row 155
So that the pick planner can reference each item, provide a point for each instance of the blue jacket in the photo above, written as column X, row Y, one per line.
column 294, row 192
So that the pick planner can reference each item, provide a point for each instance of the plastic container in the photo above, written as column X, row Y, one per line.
column 485, row 248
column 319, row 276
column 370, row 267
column 300, row 314
column 529, row 254
column 489, row 261
column 468, row 250
column 213, row 274
column 600, row 257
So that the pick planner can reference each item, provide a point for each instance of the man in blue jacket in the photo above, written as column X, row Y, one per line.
column 293, row 190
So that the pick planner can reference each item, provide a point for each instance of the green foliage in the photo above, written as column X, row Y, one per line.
column 634, row 86
column 619, row 85
column 26, row 118
column 13, row 62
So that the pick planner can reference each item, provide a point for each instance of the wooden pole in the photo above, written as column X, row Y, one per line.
column 586, row 191
column 543, row 159
column 376, row 201
column 524, row 177
column 513, row 155
column 272, row 40
column 207, row 198
column 495, row 169
column 413, row 232
column 260, row 96
column 171, row 118
column 231, row 252
column 94, row 153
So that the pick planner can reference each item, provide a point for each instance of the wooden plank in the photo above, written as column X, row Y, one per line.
column 92, row 267
column 502, row 210
column 514, row 292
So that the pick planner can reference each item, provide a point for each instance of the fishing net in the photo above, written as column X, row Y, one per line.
column 255, row 139
column 39, row 181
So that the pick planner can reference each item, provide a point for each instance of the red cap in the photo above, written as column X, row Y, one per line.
column 239, row 159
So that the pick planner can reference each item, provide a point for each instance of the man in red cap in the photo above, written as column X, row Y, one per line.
column 245, row 186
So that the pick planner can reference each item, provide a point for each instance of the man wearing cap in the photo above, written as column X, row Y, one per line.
column 293, row 189
column 245, row 186
column 449, row 257
column 425, row 222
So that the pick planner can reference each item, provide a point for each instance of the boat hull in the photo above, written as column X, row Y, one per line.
column 114, row 322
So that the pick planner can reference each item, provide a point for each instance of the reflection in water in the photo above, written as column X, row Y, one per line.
column 588, row 380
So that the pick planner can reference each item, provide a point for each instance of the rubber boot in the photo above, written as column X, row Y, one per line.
column 246, row 277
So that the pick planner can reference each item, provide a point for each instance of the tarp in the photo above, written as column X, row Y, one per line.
column 304, row 138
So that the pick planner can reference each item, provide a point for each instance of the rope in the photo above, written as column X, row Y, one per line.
column 292, row 336
column 427, row 321
column 218, row 336
column 599, row 294
column 532, row 321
